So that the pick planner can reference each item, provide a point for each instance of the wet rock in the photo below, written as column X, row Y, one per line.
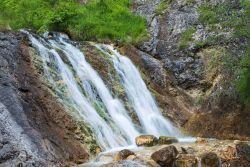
column 165, row 157
column 28, row 111
column 146, row 140
column 167, row 140
column 123, row 154
column 186, row 160
column 210, row 160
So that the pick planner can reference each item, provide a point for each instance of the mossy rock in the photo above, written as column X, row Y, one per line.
column 167, row 140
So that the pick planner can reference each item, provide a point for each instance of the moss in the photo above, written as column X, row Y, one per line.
column 199, row 100
column 164, row 4
column 190, row 2
column 186, row 38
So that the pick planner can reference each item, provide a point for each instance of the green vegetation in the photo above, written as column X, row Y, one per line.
column 97, row 20
column 243, row 84
column 186, row 38
column 164, row 4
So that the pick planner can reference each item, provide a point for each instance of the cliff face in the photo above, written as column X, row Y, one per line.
column 203, row 88
column 190, row 84
column 35, row 130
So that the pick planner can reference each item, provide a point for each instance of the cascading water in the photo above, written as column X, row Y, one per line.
column 107, row 133
column 87, row 74
column 143, row 103
column 83, row 89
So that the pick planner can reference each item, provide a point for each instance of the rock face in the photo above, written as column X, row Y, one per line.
column 165, row 157
column 146, row 140
column 165, row 30
column 35, row 130
column 185, row 76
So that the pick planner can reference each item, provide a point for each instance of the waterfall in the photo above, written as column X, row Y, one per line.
column 109, row 134
column 139, row 96
column 79, row 86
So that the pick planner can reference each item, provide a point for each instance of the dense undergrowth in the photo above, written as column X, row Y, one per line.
column 222, row 17
column 96, row 20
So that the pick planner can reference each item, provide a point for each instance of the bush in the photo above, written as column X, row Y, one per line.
column 97, row 20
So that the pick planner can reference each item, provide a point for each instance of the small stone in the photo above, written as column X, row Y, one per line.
column 200, row 140
column 210, row 160
column 146, row 140
column 165, row 157
column 167, row 140
column 123, row 154
column 237, row 141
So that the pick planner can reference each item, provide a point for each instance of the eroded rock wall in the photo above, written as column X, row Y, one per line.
column 192, row 79
column 35, row 129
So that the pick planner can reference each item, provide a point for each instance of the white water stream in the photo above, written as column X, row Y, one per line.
column 83, row 88
column 143, row 102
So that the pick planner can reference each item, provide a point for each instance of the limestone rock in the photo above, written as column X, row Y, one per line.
column 146, row 140
column 165, row 157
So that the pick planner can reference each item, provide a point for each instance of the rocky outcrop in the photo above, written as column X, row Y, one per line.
column 165, row 30
column 204, row 99
column 35, row 130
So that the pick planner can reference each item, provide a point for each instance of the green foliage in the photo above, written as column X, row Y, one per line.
column 97, row 20
column 164, row 4
column 243, row 84
column 186, row 38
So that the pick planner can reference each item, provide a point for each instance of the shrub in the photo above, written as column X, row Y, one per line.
column 99, row 19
